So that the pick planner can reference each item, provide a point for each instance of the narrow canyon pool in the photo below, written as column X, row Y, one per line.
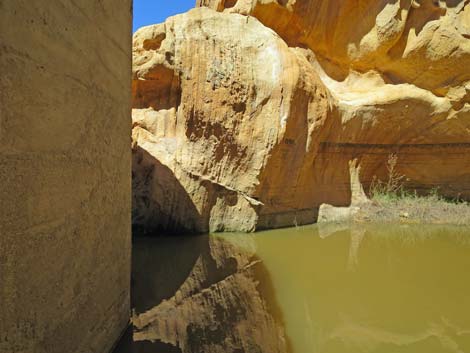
column 315, row 289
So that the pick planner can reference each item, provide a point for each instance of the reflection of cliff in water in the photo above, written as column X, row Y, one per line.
column 201, row 294
column 342, row 288
column 372, row 288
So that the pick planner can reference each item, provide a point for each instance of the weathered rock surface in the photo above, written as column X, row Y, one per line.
column 65, row 232
column 422, row 42
column 398, row 74
column 256, row 130
column 328, row 213
column 226, row 125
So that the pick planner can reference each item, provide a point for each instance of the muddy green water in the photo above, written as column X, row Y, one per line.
column 332, row 289
column 377, row 289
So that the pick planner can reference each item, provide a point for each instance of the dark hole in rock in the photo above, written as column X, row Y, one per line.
column 154, row 43
column 230, row 3
column 239, row 107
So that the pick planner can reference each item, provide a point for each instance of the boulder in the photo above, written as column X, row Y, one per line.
column 227, row 123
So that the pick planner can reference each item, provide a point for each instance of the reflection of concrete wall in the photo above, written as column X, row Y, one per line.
column 64, row 174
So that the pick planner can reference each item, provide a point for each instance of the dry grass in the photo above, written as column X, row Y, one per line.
column 390, row 202
column 410, row 208
column 394, row 185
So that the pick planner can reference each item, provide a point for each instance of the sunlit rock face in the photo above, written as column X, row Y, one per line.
column 247, row 117
column 227, row 123
column 398, row 75
column 422, row 42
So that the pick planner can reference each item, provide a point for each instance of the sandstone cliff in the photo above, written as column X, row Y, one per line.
column 239, row 127
column 226, row 125
column 65, row 239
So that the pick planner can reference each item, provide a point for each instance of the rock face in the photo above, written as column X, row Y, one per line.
column 245, row 128
column 226, row 125
column 421, row 42
column 397, row 73
column 65, row 195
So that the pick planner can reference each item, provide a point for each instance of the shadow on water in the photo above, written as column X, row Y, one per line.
column 201, row 294
column 160, row 266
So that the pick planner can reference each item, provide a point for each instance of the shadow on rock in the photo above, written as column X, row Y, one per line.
column 173, row 210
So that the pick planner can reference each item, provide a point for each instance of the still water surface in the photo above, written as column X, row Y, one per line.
column 315, row 289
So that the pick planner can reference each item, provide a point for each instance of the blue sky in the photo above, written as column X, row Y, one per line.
column 149, row 12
